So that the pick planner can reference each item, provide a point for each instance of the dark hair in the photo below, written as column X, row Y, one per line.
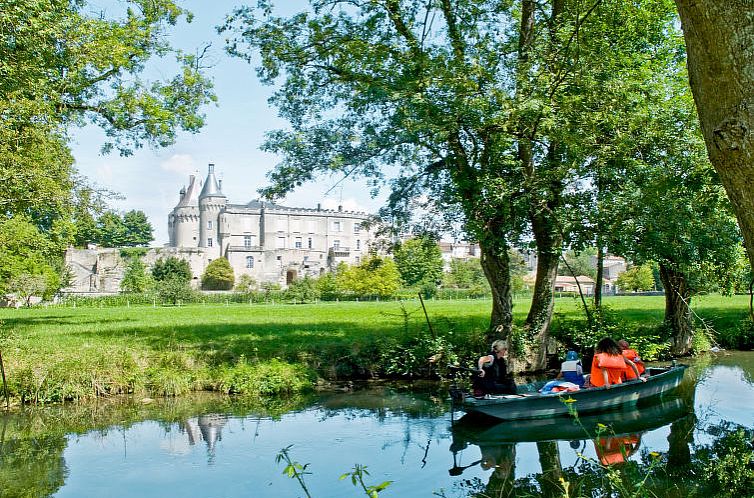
column 609, row 346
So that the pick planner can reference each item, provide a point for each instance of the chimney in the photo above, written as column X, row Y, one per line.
column 182, row 193
column 319, row 207
column 340, row 208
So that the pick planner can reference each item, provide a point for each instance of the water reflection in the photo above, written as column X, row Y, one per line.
column 207, row 428
column 214, row 446
column 615, row 437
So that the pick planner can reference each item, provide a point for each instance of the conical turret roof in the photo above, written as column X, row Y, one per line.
column 190, row 196
column 211, row 186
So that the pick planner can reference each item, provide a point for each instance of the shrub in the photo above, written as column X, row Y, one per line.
column 174, row 290
column 302, row 290
column 218, row 275
column 171, row 267
column 266, row 379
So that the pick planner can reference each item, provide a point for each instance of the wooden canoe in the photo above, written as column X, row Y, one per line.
column 530, row 404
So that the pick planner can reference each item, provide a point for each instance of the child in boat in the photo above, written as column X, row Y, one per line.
column 571, row 369
column 633, row 356
column 609, row 364
column 493, row 377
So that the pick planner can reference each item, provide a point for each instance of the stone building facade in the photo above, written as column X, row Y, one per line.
column 269, row 242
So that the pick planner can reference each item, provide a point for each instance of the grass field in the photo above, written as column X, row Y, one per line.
column 67, row 353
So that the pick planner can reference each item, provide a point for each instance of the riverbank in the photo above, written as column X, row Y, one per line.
column 56, row 354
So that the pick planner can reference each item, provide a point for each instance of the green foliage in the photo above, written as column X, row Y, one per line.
column 174, row 290
column 726, row 466
column 375, row 276
column 357, row 479
column 270, row 378
column 245, row 283
column 419, row 261
column 27, row 286
column 130, row 230
column 637, row 278
column 218, row 275
column 581, row 262
column 302, row 290
column 464, row 274
column 327, row 286
column 136, row 280
column 170, row 268
column 29, row 259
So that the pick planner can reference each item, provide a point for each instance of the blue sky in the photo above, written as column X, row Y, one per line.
column 150, row 179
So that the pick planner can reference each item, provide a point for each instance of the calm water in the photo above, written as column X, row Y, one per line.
column 214, row 447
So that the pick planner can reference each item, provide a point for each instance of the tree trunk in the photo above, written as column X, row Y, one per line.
column 600, row 276
column 552, row 470
column 677, row 309
column 720, row 51
column 538, row 320
column 496, row 265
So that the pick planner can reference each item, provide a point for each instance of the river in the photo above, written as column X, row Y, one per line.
column 212, row 446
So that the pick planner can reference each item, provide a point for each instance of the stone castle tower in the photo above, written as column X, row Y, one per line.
column 195, row 221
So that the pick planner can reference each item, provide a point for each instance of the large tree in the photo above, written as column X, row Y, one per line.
column 64, row 64
column 475, row 100
column 721, row 71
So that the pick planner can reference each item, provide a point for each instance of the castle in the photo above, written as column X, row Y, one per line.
column 272, row 243
column 269, row 242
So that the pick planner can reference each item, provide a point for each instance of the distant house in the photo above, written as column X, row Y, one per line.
column 565, row 283
column 457, row 250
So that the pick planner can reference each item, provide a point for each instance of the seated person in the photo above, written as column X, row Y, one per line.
column 609, row 364
column 633, row 356
column 571, row 370
column 493, row 377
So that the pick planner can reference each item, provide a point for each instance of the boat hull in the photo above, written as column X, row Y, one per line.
column 593, row 400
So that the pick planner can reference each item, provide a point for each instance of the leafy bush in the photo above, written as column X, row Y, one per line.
column 174, row 290
column 302, row 290
column 171, row 267
column 135, row 279
column 266, row 379
column 218, row 275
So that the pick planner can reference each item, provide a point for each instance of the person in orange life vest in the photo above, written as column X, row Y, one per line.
column 616, row 449
column 609, row 365
column 633, row 356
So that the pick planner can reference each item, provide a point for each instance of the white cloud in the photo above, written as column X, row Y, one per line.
column 182, row 164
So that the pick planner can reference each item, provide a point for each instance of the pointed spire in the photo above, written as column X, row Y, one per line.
column 188, row 194
column 211, row 186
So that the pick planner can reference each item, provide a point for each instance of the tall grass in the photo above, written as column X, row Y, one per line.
column 57, row 354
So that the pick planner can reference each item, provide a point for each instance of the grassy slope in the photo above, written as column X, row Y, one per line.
column 58, row 353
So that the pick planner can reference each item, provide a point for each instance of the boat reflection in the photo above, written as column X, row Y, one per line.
column 615, row 435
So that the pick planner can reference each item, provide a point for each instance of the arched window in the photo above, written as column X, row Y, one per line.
column 249, row 261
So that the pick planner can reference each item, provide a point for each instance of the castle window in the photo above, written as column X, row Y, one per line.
column 280, row 243
column 209, row 242
column 309, row 243
column 247, row 241
column 358, row 244
column 336, row 244
column 356, row 227
column 209, row 225
column 249, row 261
column 297, row 243
column 336, row 226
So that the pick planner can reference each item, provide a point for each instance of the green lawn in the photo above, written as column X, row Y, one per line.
column 59, row 353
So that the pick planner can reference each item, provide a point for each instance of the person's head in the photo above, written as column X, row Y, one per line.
column 499, row 347
column 609, row 346
column 572, row 355
column 623, row 344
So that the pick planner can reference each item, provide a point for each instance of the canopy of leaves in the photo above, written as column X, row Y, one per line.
column 135, row 278
column 637, row 278
column 218, row 275
column 26, row 253
column 129, row 230
column 419, row 261
column 375, row 276
column 171, row 268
